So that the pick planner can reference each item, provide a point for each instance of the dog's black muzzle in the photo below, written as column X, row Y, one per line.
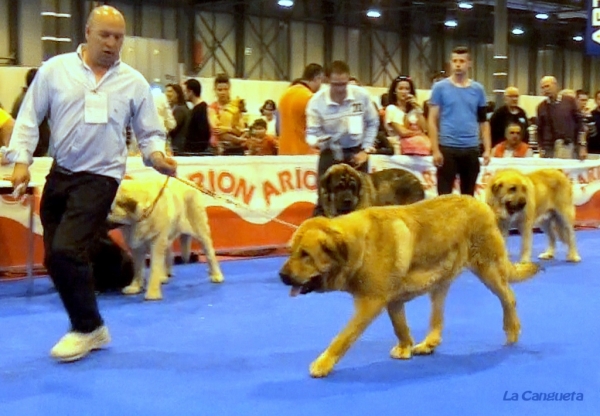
column 287, row 280
column 513, row 207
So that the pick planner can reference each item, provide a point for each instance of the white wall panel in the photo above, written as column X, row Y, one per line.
column 314, row 44
column 4, row 47
column 298, row 44
column 595, row 79
column 264, row 37
column 151, row 22
column 156, row 59
column 545, row 66
column 307, row 46
column 30, row 43
column 127, row 10
column 573, row 69
column 518, row 67
column 346, row 45
column 418, row 58
column 385, row 57
column 482, row 70
column 215, row 31
column 170, row 24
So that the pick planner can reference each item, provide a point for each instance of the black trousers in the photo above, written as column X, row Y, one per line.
column 326, row 160
column 74, row 207
column 461, row 161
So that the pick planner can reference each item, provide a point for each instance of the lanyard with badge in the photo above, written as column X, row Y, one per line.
column 355, row 120
column 96, row 107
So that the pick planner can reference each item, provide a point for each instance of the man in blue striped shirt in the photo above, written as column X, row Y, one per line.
column 342, row 122
column 90, row 97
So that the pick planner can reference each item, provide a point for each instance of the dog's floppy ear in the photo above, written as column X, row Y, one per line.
column 128, row 204
column 335, row 246
column 496, row 187
column 358, row 182
column 324, row 184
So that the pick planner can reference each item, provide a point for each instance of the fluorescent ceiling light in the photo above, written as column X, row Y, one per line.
column 285, row 3
column 450, row 23
column 517, row 31
column 52, row 14
column 374, row 13
column 465, row 5
column 541, row 16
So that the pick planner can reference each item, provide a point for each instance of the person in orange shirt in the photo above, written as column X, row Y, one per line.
column 292, row 112
column 259, row 143
column 513, row 144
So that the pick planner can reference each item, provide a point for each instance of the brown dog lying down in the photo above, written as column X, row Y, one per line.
column 386, row 256
column 343, row 189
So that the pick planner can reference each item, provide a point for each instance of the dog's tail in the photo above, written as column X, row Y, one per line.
column 185, row 244
column 519, row 272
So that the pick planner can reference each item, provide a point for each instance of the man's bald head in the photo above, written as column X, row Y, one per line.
column 104, row 33
column 511, row 97
column 549, row 87
column 105, row 14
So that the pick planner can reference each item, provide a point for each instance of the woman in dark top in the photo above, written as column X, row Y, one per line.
column 181, row 113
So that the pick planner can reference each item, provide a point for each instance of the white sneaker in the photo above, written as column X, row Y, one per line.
column 76, row 345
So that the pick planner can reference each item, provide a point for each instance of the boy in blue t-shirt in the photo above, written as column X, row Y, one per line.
column 457, row 115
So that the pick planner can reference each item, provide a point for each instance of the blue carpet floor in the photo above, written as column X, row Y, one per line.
column 244, row 347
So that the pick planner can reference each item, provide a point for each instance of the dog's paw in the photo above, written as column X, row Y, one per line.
column 512, row 330
column 546, row 255
column 423, row 348
column 573, row 258
column 217, row 278
column 512, row 337
column 401, row 353
column 153, row 295
column 322, row 366
column 132, row 289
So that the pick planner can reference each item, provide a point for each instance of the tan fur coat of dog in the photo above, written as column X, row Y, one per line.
column 154, row 215
column 386, row 256
column 543, row 197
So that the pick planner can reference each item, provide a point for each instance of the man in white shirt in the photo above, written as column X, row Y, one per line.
column 89, row 97
column 341, row 122
column 164, row 109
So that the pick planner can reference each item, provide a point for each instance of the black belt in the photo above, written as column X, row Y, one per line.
column 59, row 169
column 352, row 149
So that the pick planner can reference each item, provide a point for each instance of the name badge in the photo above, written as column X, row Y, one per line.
column 96, row 108
column 355, row 124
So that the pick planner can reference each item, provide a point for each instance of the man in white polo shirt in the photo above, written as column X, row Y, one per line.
column 341, row 122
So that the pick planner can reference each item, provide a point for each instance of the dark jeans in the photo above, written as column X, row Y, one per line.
column 326, row 160
column 461, row 161
column 73, row 208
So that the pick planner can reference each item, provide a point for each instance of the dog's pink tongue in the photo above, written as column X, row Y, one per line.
column 295, row 291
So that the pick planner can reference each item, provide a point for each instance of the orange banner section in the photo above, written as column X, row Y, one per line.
column 260, row 199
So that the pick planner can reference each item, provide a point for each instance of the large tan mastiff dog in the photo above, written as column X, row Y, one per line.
column 386, row 256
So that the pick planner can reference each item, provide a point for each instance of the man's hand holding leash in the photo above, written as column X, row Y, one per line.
column 20, row 179
column 163, row 164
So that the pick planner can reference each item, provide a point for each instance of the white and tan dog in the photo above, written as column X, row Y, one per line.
column 154, row 214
